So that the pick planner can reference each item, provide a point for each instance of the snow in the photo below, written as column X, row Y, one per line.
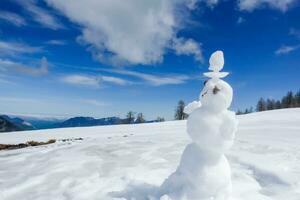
column 216, row 64
column 216, row 61
column 188, row 109
column 265, row 159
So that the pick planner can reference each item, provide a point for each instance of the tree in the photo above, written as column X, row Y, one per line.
column 297, row 99
column 129, row 118
column 160, row 119
column 288, row 100
column 277, row 104
column 239, row 112
column 140, row 118
column 270, row 104
column 261, row 105
column 179, row 114
column 251, row 110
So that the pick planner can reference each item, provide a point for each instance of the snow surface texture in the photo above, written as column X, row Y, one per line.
column 265, row 159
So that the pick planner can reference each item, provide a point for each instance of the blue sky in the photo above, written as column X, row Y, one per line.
column 104, row 58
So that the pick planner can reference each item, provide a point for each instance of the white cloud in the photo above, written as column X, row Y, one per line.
column 93, row 81
column 82, row 80
column 250, row 5
column 12, row 18
column 188, row 47
column 115, row 80
column 286, row 49
column 56, row 42
column 13, row 48
column 192, row 4
column 12, row 66
column 154, row 80
column 41, row 15
column 126, row 32
column 94, row 102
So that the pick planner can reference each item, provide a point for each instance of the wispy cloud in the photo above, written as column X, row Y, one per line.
column 12, row 66
column 250, row 5
column 12, row 18
column 82, row 80
column 13, row 48
column 114, row 80
column 56, row 42
column 4, row 81
column 94, row 102
column 92, row 81
column 286, row 49
column 41, row 15
column 184, row 46
column 17, row 99
column 154, row 80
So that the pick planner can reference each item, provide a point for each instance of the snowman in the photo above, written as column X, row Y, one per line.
column 204, row 172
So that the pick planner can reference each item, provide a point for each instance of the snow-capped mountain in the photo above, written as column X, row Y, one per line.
column 265, row 159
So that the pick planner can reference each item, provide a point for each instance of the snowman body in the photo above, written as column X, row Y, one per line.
column 204, row 172
column 201, row 175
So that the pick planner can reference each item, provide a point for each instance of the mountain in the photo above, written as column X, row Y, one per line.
column 90, row 121
column 40, row 122
column 21, row 123
column 45, row 123
column 7, row 126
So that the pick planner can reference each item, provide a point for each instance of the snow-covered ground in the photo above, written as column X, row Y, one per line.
column 265, row 159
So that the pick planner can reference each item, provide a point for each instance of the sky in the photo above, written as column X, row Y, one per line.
column 103, row 58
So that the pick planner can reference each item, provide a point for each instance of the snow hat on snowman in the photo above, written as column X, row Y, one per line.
column 216, row 94
column 216, row 64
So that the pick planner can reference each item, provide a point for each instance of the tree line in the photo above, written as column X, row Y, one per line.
column 290, row 100
column 133, row 118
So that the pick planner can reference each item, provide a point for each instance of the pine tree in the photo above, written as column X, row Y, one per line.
column 129, row 118
column 288, row 100
column 297, row 99
column 179, row 114
column 251, row 110
column 270, row 104
column 239, row 112
column 140, row 118
column 160, row 119
column 277, row 104
column 261, row 105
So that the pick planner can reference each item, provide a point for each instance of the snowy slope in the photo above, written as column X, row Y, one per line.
column 265, row 159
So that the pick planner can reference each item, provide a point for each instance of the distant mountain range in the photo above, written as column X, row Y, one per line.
column 8, row 124
column 16, row 123
column 90, row 121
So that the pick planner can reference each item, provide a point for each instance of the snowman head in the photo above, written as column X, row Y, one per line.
column 216, row 95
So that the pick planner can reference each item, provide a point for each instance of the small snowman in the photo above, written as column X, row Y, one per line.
column 204, row 172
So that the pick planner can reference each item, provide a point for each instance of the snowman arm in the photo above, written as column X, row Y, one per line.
column 191, row 107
